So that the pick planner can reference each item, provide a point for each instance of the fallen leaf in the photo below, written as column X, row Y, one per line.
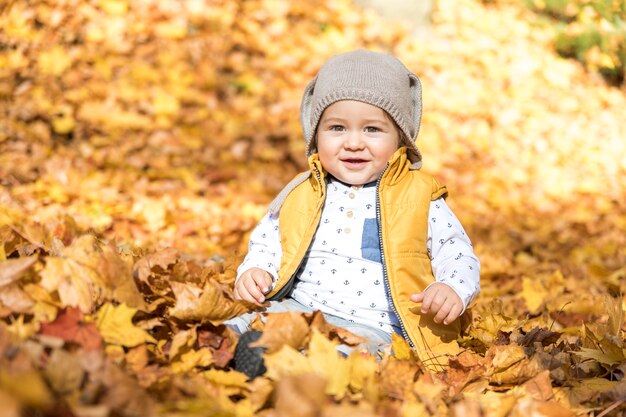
column 280, row 329
column 69, row 326
column 12, row 270
column 116, row 327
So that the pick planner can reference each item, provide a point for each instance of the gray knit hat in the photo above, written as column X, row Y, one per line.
column 371, row 77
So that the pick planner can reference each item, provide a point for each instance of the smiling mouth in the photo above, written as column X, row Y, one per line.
column 354, row 160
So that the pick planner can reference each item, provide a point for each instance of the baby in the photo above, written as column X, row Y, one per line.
column 364, row 235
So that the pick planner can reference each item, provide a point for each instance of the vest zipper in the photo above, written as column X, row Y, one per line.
column 292, row 280
column 382, row 259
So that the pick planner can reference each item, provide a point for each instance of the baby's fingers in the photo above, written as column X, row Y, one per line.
column 453, row 314
column 433, row 300
column 254, row 291
column 443, row 312
column 448, row 313
column 418, row 297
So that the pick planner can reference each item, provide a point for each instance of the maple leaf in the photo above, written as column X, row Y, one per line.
column 116, row 327
column 69, row 326
column 211, row 302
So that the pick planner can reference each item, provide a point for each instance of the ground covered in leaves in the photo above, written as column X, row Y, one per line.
column 141, row 141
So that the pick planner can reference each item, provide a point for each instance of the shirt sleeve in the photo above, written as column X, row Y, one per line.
column 451, row 253
column 264, row 250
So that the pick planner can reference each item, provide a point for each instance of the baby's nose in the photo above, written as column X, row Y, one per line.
column 354, row 140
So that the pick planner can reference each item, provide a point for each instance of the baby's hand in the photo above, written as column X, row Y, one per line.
column 440, row 300
column 253, row 285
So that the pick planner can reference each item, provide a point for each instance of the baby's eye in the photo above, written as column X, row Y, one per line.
column 372, row 129
column 336, row 128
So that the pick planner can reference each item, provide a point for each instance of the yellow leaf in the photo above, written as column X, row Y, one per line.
column 494, row 404
column 116, row 327
column 362, row 370
column 172, row 29
column 534, row 293
column 114, row 7
column 20, row 331
column 289, row 328
column 230, row 379
column 504, row 357
column 73, row 282
column 55, row 61
column 413, row 409
column 612, row 357
column 182, row 339
column 191, row 359
column 401, row 348
column 286, row 361
column 28, row 387
column 164, row 103
column 328, row 362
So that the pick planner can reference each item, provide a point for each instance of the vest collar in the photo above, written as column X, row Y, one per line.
column 397, row 168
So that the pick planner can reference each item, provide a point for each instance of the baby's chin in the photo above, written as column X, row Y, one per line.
column 356, row 179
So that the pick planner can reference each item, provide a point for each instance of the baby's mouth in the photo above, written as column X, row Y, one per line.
column 354, row 163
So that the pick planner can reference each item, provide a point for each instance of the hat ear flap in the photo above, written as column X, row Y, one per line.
column 305, row 111
column 415, row 87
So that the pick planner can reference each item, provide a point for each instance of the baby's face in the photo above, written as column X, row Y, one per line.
column 355, row 140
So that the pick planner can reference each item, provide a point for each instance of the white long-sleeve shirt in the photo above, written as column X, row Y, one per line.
column 342, row 272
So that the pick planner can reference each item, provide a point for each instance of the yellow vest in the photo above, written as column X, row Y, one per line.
column 404, row 197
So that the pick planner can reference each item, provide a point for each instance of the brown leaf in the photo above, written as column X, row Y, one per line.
column 543, row 336
column 540, row 386
column 464, row 368
column 337, row 334
column 155, row 263
column 212, row 302
column 69, row 326
column 219, row 340
column 12, row 270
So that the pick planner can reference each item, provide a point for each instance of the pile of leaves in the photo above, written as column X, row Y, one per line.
column 141, row 142
column 96, row 329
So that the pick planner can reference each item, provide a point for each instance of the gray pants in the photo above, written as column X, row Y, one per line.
column 378, row 339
